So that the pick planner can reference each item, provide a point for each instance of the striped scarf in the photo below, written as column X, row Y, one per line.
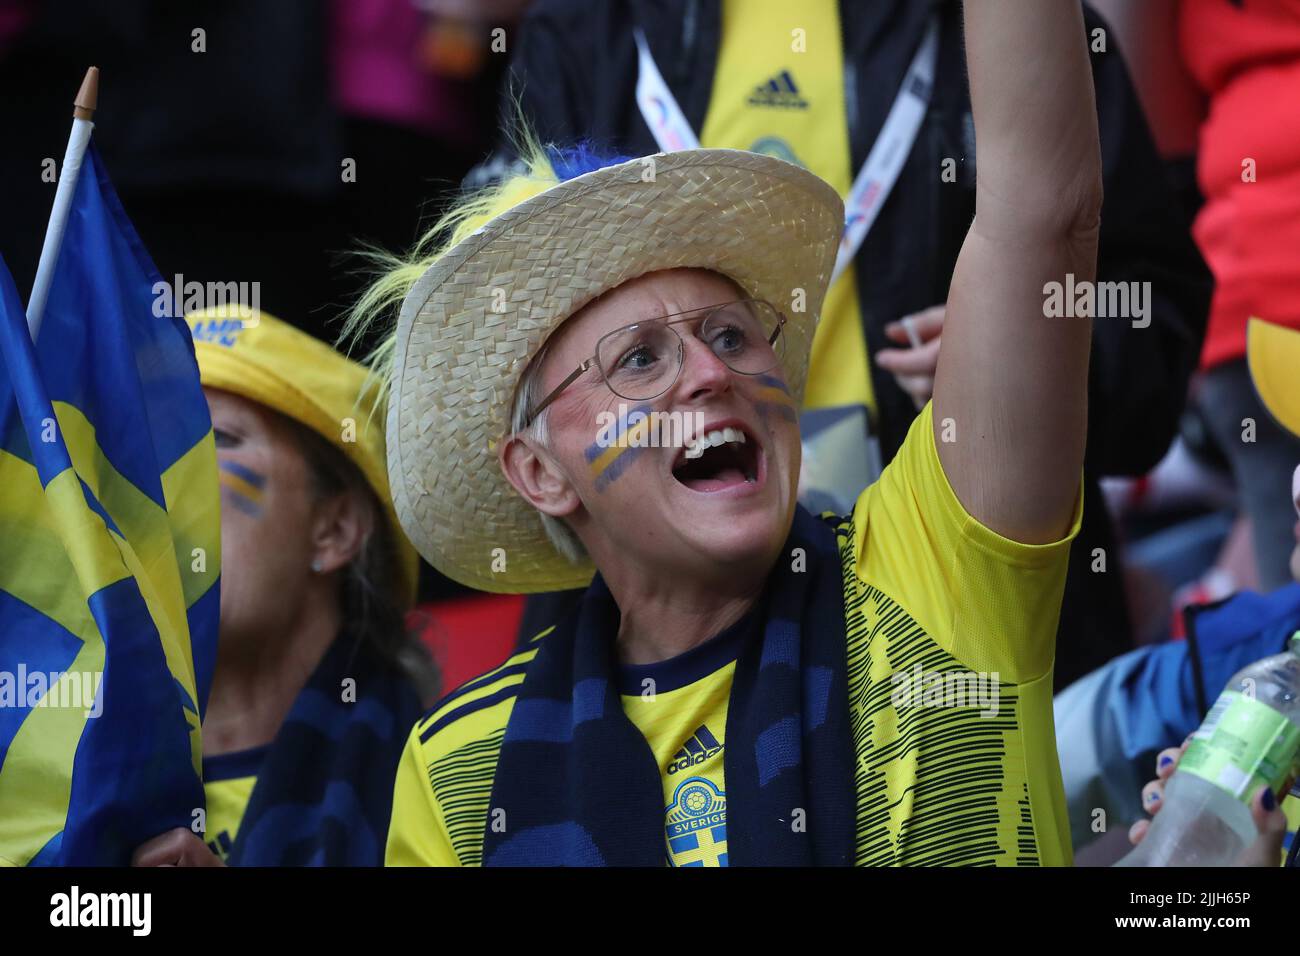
column 325, row 791
column 578, row 785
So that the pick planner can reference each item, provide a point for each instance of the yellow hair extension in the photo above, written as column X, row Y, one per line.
column 378, row 307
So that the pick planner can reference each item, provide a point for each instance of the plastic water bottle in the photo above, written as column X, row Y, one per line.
column 1249, row 739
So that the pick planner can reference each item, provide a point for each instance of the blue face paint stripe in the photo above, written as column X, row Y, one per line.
column 780, row 403
column 255, row 479
column 780, row 409
column 637, row 439
column 243, row 504
column 608, row 457
column 242, row 487
column 606, row 441
column 616, row 468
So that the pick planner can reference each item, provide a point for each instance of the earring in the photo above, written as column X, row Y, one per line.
column 316, row 566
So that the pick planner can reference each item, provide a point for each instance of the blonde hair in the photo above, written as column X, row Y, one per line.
column 376, row 311
column 527, row 397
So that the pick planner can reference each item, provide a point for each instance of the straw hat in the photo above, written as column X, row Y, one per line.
column 471, row 323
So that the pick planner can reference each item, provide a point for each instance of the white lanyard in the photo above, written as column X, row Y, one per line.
column 658, row 106
column 874, row 181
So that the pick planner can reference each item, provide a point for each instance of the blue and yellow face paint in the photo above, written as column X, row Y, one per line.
column 618, row 447
column 774, row 398
column 244, row 486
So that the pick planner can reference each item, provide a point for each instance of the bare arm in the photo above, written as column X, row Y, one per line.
column 1012, row 381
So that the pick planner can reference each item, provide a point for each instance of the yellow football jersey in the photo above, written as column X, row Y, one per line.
column 228, row 781
column 685, row 726
column 950, row 630
column 778, row 88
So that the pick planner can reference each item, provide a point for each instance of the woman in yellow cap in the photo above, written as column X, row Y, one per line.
column 316, row 681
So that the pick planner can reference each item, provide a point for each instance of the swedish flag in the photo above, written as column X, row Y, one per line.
column 109, row 553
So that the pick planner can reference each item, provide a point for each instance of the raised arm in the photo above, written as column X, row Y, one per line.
column 1010, row 396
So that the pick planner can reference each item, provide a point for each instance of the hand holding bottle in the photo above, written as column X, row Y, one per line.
column 1269, row 819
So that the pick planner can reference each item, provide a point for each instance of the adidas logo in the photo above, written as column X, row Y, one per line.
column 780, row 92
column 700, row 746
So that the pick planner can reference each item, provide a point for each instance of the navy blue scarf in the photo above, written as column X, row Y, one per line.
column 325, row 791
column 577, row 784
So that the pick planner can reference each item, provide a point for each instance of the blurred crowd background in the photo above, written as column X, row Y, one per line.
column 231, row 159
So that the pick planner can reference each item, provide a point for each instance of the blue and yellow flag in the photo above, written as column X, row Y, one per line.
column 109, row 553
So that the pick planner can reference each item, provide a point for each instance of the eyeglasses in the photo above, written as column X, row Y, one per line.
column 642, row 361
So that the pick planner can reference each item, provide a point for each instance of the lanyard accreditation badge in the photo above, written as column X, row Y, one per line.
column 842, row 468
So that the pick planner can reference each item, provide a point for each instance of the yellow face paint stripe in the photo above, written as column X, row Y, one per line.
column 627, row 442
column 777, row 395
column 241, row 486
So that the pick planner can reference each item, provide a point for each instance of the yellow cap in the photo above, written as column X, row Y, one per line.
column 1274, row 355
column 261, row 358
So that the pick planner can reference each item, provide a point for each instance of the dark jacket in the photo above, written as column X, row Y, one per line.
column 574, row 69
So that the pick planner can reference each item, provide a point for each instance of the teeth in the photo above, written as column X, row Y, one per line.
column 713, row 439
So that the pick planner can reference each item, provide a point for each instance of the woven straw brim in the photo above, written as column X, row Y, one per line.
column 771, row 226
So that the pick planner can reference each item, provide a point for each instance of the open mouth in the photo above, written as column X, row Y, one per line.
column 720, row 458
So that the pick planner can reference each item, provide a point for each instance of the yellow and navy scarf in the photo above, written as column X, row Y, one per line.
column 324, row 794
column 577, row 784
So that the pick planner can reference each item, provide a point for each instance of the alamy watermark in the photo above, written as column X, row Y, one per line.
column 179, row 298
column 639, row 428
column 1101, row 300
column 76, row 908
column 922, row 688
column 63, row 689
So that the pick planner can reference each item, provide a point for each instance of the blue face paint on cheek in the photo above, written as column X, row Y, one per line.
column 768, row 409
column 242, row 487
column 774, row 398
column 616, row 448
